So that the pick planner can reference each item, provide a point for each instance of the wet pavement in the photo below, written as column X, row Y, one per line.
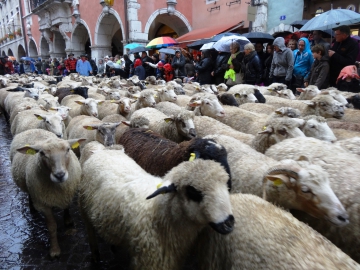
column 23, row 235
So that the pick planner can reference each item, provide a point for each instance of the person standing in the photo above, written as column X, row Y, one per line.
column 101, row 67
column 178, row 64
column 302, row 63
column 83, row 66
column 252, row 64
column 70, row 64
column 282, row 64
column 317, row 38
column 149, row 71
column 38, row 66
column 7, row 65
column 220, row 67
column 267, row 64
column 204, row 68
column 342, row 53
column 319, row 73
column 139, row 70
column 292, row 44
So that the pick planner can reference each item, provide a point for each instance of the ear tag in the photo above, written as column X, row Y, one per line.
column 158, row 185
column 264, row 128
column 192, row 157
column 89, row 128
column 75, row 145
column 277, row 182
column 167, row 120
column 72, row 91
column 40, row 118
column 237, row 95
column 30, row 152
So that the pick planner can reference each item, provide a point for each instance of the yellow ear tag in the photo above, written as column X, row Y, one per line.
column 89, row 128
column 192, row 157
column 167, row 120
column 75, row 145
column 264, row 127
column 30, row 152
column 277, row 182
column 158, row 186
column 72, row 91
column 40, row 118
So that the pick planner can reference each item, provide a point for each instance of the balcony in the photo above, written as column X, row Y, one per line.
column 38, row 5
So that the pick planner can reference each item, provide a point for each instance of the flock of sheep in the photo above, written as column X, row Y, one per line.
column 165, row 170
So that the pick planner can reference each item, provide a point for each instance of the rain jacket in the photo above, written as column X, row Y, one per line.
column 319, row 73
column 283, row 61
column 204, row 69
column 303, row 60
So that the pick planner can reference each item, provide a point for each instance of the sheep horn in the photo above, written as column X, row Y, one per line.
column 290, row 170
column 162, row 190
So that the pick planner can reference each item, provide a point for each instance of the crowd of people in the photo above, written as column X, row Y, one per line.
column 296, row 63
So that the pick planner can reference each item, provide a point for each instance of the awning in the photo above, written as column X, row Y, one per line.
column 208, row 32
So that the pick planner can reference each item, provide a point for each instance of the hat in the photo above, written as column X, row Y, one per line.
column 177, row 50
column 106, row 57
column 160, row 64
column 71, row 54
column 83, row 55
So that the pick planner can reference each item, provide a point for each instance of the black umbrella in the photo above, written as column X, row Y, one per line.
column 138, row 49
column 299, row 24
column 259, row 37
column 196, row 45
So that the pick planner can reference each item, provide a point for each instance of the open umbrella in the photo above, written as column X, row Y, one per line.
column 259, row 37
column 207, row 46
column 161, row 42
column 167, row 51
column 223, row 45
column 138, row 49
column 131, row 46
column 332, row 19
column 196, row 45
column 25, row 58
column 219, row 36
column 355, row 37
column 299, row 24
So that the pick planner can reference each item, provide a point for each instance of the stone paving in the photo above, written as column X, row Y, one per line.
column 23, row 234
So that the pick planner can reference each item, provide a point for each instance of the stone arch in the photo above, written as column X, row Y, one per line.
column 10, row 52
column 33, row 51
column 178, row 22
column 59, row 45
column 44, row 48
column 3, row 53
column 79, row 38
column 107, row 26
column 21, row 51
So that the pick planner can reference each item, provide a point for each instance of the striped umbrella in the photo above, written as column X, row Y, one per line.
column 161, row 42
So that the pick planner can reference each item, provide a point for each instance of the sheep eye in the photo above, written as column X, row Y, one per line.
column 305, row 189
column 245, row 96
column 42, row 153
column 312, row 126
column 183, row 124
column 282, row 132
column 194, row 194
column 285, row 94
column 48, row 122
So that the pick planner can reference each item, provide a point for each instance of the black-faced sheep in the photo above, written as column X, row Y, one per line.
column 49, row 171
column 158, row 155
column 112, row 200
column 63, row 92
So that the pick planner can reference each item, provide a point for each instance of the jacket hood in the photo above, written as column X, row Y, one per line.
column 280, row 42
column 307, row 44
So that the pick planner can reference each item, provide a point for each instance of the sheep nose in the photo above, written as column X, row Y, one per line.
column 175, row 98
column 192, row 132
column 59, row 175
column 59, row 135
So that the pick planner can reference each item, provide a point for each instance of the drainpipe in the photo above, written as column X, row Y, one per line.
column 126, row 21
column 23, row 29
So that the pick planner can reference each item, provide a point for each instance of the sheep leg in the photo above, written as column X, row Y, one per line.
column 52, row 227
column 31, row 205
column 94, row 248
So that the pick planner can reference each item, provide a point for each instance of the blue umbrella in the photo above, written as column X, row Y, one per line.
column 138, row 49
column 332, row 19
column 25, row 58
column 131, row 46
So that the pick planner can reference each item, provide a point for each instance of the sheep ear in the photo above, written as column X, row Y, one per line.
column 301, row 122
column 195, row 103
column 310, row 103
column 136, row 96
column 280, row 111
column 42, row 108
column 115, row 101
column 169, row 119
column 53, row 109
column 278, row 179
column 127, row 123
column 28, row 150
column 92, row 127
column 266, row 130
column 99, row 102
column 162, row 190
column 74, row 143
column 40, row 116
column 80, row 102
column 304, row 158
column 301, row 89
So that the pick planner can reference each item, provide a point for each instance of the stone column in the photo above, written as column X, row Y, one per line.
column 134, row 24
column 99, row 51
column 259, row 25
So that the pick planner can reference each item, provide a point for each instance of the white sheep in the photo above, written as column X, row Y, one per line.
column 165, row 94
column 267, row 237
column 243, row 93
column 46, row 168
column 285, row 182
column 264, row 108
column 317, row 127
column 344, row 170
column 121, row 106
column 63, row 111
column 164, row 228
column 36, row 118
column 178, row 127
column 81, row 106
column 352, row 144
column 308, row 92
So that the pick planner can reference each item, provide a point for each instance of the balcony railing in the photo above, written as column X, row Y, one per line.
column 36, row 3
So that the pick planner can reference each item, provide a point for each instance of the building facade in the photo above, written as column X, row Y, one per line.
column 12, row 40
column 55, row 28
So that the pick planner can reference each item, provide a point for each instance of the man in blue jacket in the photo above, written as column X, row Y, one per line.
column 83, row 66
column 302, row 63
